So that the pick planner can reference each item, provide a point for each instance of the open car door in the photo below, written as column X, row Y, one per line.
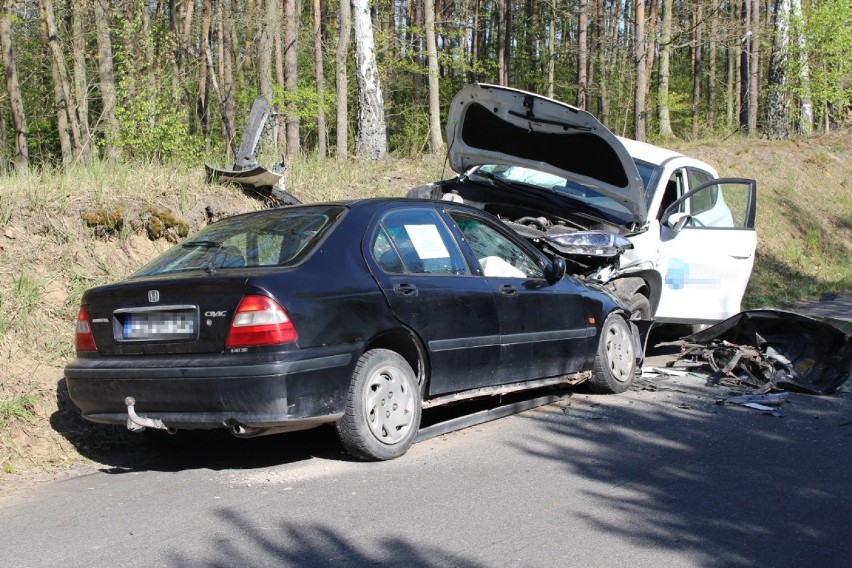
column 707, row 251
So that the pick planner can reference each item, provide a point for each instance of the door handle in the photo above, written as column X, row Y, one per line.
column 742, row 254
column 405, row 289
column 508, row 290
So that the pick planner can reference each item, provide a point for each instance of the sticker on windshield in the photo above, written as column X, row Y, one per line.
column 427, row 241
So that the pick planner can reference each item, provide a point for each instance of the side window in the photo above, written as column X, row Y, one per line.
column 723, row 205
column 698, row 177
column 497, row 255
column 417, row 241
column 385, row 254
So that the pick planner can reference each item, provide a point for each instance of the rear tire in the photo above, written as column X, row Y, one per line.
column 615, row 364
column 383, row 407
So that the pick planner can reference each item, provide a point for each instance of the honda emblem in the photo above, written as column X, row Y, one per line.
column 153, row 296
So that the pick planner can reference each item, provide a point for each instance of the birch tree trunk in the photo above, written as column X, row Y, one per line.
column 806, row 107
column 322, row 144
column 665, row 55
column 371, row 139
column 342, row 80
column 106, row 76
column 745, row 62
column 436, row 141
column 19, row 120
column 777, row 112
column 291, row 77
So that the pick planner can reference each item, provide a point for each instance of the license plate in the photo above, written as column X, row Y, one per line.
column 159, row 325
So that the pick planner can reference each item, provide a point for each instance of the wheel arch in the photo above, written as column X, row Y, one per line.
column 405, row 343
column 648, row 282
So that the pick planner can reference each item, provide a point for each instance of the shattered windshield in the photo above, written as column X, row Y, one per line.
column 278, row 237
column 607, row 207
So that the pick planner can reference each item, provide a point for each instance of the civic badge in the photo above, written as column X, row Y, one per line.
column 153, row 296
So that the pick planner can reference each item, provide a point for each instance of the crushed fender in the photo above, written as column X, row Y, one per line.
column 777, row 350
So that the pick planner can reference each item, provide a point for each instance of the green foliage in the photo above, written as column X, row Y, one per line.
column 153, row 120
column 828, row 32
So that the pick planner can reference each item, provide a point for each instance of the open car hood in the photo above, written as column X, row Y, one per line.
column 489, row 124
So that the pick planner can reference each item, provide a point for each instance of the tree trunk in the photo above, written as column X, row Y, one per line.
column 639, row 55
column 754, row 67
column 806, row 108
column 371, row 138
column 665, row 57
column 19, row 121
column 202, row 104
column 502, row 51
column 226, row 50
column 291, row 77
column 583, row 55
column 69, row 128
column 436, row 141
column 602, row 61
column 78, row 53
column 264, row 49
column 745, row 61
column 696, row 69
column 651, row 50
column 106, row 75
column 322, row 142
column 551, row 50
column 711, row 64
column 777, row 113
column 342, row 80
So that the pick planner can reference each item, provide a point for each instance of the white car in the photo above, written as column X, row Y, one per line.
column 658, row 228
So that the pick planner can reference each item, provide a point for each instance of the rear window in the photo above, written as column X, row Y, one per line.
column 279, row 237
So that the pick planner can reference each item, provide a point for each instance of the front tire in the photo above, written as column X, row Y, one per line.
column 639, row 307
column 615, row 364
column 383, row 407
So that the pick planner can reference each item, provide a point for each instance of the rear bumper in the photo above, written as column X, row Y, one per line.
column 294, row 390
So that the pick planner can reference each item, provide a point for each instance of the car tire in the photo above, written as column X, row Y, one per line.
column 383, row 407
column 615, row 363
column 639, row 307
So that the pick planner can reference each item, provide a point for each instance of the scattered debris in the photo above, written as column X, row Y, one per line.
column 769, row 350
column 766, row 403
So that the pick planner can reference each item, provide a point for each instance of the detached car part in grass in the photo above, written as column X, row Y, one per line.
column 348, row 313
column 656, row 227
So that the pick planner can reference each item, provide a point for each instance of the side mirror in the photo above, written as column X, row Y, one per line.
column 677, row 221
column 556, row 271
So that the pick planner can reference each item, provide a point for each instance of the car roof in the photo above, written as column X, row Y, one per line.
column 648, row 152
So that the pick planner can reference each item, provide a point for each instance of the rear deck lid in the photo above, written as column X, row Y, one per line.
column 492, row 125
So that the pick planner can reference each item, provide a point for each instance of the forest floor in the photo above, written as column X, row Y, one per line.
column 50, row 253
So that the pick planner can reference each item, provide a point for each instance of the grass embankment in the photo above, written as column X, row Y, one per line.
column 63, row 233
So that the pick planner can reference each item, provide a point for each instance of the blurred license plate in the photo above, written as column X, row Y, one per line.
column 159, row 325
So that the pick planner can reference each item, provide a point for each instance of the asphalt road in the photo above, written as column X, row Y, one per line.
column 660, row 476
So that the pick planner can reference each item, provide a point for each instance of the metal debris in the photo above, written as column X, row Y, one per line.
column 773, row 350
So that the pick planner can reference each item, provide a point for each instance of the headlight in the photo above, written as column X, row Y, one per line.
column 590, row 243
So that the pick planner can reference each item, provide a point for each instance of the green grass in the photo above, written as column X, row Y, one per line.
column 20, row 407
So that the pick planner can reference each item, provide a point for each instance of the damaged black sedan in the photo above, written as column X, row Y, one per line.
column 349, row 313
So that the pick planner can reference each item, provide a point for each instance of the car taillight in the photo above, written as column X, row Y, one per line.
column 84, row 341
column 260, row 321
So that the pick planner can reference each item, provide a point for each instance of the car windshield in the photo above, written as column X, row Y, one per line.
column 587, row 197
column 648, row 172
column 279, row 237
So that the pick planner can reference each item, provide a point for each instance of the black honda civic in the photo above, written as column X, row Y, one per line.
column 353, row 313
